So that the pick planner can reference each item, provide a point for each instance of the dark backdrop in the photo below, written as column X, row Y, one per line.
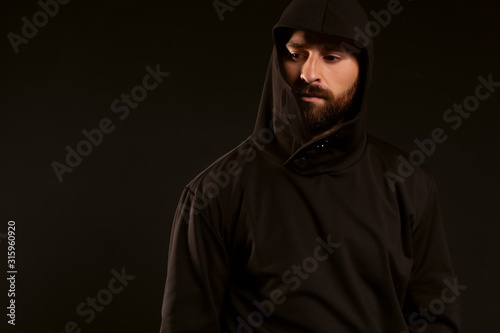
column 114, row 210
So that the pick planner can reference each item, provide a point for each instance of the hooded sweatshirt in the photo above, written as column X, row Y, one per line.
column 286, row 233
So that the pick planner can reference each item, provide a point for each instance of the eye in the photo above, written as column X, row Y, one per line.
column 332, row 58
column 296, row 56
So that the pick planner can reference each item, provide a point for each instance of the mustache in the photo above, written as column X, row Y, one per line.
column 313, row 91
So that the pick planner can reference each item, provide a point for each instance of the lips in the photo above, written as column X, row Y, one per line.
column 311, row 95
column 311, row 98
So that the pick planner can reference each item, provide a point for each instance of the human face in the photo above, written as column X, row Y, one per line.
column 323, row 76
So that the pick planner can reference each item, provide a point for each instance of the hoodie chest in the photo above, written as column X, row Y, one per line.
column 325, row 222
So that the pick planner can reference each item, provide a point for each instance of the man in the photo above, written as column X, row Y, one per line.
column 297, row 229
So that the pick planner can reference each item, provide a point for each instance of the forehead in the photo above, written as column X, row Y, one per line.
column 308, row 39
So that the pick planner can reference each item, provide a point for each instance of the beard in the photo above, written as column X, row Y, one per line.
column 335, row 110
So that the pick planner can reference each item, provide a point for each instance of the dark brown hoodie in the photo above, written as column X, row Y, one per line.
column 289, row 234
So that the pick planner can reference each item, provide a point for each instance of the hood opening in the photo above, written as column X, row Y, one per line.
column 282, row 34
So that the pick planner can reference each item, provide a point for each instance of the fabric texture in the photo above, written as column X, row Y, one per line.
column 286, row 233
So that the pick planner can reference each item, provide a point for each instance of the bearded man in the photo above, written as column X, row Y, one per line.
column 297, row 229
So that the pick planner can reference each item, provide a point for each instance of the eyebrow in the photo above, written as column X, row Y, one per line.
column 327, row 47
column 296, row 45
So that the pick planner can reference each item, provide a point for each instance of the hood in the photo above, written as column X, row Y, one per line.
column 281, row 130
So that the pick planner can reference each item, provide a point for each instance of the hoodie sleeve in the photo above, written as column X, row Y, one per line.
column 196, row 274
column 432, row 302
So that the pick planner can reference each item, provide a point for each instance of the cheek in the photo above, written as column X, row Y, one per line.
column 351, row 71
column 292, row 71
column 345, row 76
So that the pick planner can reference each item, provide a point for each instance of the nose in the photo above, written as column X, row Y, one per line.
column 310, row 70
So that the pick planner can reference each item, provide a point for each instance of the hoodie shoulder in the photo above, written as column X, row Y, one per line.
column 221, row 173
column 400, row 170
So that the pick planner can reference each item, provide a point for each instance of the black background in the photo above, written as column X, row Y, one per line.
column 115, row 209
